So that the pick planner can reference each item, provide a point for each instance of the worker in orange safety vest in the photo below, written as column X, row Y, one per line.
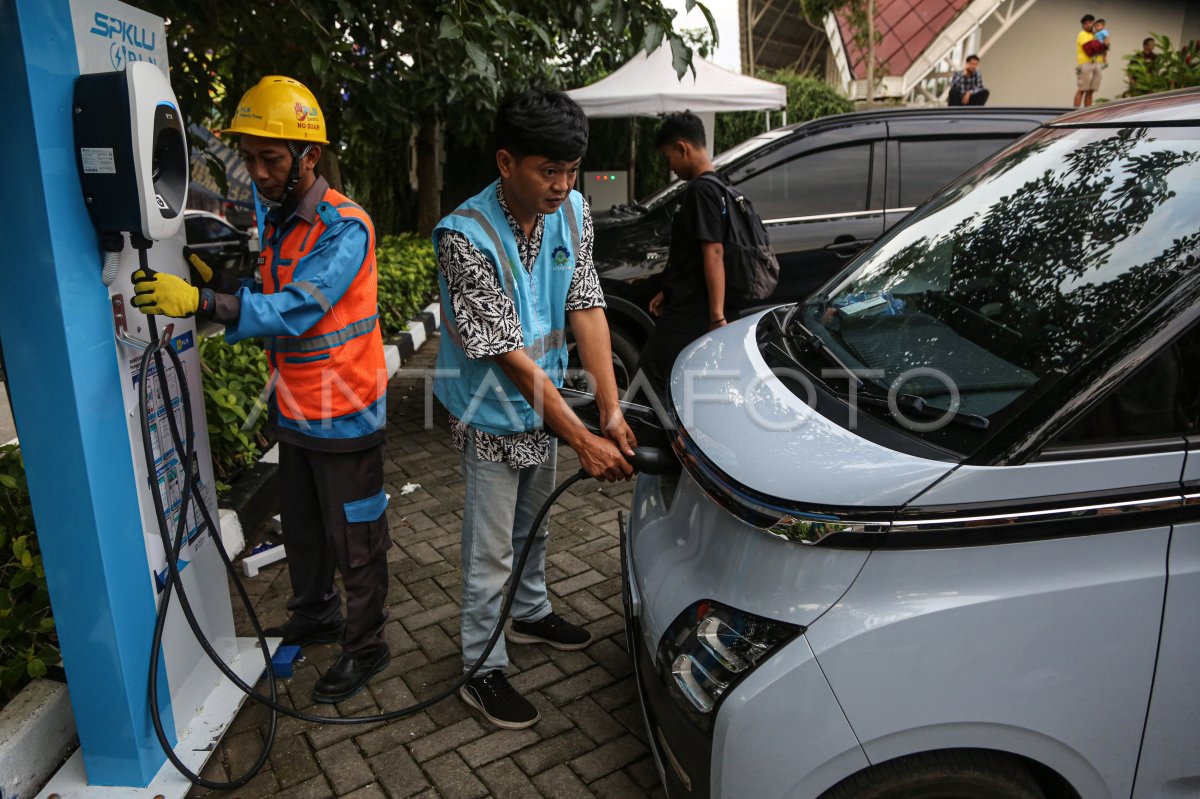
column 317, row 315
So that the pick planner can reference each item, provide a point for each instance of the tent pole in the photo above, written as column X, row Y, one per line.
column 632, row 190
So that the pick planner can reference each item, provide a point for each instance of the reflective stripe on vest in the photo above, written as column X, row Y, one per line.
column 336, row 369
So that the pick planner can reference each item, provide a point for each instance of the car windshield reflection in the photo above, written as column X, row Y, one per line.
column 1012, row 277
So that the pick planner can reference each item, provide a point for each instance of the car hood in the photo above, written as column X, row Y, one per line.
column 751, row 427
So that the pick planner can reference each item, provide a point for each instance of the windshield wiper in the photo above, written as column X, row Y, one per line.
column 812, row 341
column 918, row 405
column 911, row 403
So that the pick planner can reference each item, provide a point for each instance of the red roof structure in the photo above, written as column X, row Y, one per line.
column 906, row 27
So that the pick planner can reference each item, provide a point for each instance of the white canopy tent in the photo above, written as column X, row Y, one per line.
column 648, row 86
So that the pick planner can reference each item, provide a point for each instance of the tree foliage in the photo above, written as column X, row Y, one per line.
column 28, row 645
column 385, row 69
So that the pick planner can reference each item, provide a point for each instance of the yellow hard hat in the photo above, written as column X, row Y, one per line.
column 279, row 107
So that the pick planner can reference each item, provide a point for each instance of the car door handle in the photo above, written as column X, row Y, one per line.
column 847, row 247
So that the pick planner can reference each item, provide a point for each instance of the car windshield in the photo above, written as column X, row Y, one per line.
column 720, row 162
column 1016, row 274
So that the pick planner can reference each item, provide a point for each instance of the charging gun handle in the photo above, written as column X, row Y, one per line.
column 654, row 460
column 142, row 244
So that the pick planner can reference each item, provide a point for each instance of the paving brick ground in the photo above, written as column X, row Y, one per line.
column 590, row 740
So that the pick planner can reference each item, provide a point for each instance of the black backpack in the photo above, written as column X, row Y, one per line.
column 751, row 268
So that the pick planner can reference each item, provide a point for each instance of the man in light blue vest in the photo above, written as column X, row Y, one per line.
column 515, row 266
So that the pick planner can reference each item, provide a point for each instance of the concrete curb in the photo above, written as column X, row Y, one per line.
column 37, row 728
column 419, row 331
column 37, row 734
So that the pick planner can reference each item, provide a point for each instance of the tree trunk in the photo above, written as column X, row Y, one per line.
column 330, row 168
column 429, row 206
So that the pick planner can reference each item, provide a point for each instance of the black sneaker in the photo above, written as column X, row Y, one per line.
column 494, row 697
column 294, row 631
column 553, row 630
column 348, row 676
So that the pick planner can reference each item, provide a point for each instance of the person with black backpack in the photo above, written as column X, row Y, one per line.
column 720, row 260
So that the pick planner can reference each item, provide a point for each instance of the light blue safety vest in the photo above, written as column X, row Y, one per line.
column 482, row 395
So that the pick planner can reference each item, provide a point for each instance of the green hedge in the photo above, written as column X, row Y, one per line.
column 28, row 645
column 407, row 279
column 234, row 376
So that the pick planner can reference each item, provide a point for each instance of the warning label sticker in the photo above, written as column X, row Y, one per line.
column 98, row 160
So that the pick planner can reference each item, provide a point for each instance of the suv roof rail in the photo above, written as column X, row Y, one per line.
column 883, row 114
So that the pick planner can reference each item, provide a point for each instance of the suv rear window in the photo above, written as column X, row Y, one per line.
column 928, row 164
column 825, row 182
column 1014, row 276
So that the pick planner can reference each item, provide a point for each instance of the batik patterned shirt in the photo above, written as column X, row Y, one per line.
column 488, row 323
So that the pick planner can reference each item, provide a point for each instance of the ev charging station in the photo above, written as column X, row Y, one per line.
column 91, row 163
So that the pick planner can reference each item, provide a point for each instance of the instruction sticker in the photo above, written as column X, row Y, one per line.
column 98, row 160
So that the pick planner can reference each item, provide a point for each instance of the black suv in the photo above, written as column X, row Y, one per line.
column 825, row 190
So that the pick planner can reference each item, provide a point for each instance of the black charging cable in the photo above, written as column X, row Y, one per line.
column 188, row 460
column 189, row 465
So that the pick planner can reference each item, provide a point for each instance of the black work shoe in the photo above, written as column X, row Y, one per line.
column 299, row 633
column 494, row 697
column 553, row 630
column 348, row 676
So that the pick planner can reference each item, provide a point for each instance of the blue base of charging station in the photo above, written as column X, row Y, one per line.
column 283, row 663
column 195, row 745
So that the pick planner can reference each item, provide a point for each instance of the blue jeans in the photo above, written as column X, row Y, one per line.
column 501, row 503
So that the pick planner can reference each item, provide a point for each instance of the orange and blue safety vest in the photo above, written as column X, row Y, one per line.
column 318, row 316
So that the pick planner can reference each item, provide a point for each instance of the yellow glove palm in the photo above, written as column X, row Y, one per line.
column 164, row 294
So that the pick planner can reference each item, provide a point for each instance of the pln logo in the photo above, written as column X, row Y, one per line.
column 305, row 113
column 120, row 55
column 561, row 257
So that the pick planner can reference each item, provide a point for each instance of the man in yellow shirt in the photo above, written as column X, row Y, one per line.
column 1087, row 68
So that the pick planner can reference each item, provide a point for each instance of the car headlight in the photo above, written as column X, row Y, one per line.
column 709, row 648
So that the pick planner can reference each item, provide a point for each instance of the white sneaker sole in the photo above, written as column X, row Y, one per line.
column 515, row 637
column 466, row 696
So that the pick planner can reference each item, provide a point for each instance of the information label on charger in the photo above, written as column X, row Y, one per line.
column 98, row 160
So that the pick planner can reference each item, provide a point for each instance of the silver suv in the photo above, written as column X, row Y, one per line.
column 937, row 532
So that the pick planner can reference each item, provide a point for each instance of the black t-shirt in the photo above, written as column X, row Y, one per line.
column 700, row 218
